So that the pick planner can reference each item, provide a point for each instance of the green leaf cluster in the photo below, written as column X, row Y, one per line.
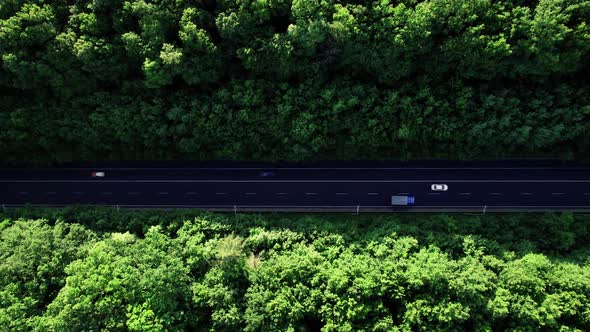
column 293, row 79
column 260, row 273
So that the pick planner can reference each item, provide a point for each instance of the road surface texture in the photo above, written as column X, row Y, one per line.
column 471, row 187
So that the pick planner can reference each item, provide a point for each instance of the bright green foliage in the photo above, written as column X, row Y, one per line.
column 124, row 284
column 534, row 291
column 33, row 256
column 222, row 288
column 294, row 273
column 293, row 79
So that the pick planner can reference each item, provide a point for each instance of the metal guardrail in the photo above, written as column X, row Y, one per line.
column 355, row 209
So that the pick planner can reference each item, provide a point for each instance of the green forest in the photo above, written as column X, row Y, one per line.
column 293, row 79
column 82, row 269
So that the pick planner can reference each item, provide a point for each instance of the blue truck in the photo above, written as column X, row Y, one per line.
column 402, row 200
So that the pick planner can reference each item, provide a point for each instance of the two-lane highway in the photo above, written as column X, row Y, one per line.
column 304, row 188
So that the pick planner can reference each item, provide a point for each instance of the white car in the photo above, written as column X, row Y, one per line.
column 439, row 187
column 97, row 174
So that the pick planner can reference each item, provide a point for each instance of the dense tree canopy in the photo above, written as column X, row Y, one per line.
column 293, row 79
column 298, row 273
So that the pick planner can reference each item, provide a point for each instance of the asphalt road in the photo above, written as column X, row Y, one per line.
column 475, row 189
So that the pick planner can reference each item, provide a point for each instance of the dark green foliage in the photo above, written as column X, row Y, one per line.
column 190, row 271
column 293, row 79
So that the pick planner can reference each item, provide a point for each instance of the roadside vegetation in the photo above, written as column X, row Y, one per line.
column 293, row 79
column 100, row 269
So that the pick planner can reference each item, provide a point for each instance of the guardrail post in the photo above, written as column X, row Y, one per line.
column 117, row 207
column 358, row 207
column 484, row 209
column 4, row 207
column 235, row 210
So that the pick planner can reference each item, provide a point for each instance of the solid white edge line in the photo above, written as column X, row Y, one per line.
column 278, row 168
column 291, row 181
